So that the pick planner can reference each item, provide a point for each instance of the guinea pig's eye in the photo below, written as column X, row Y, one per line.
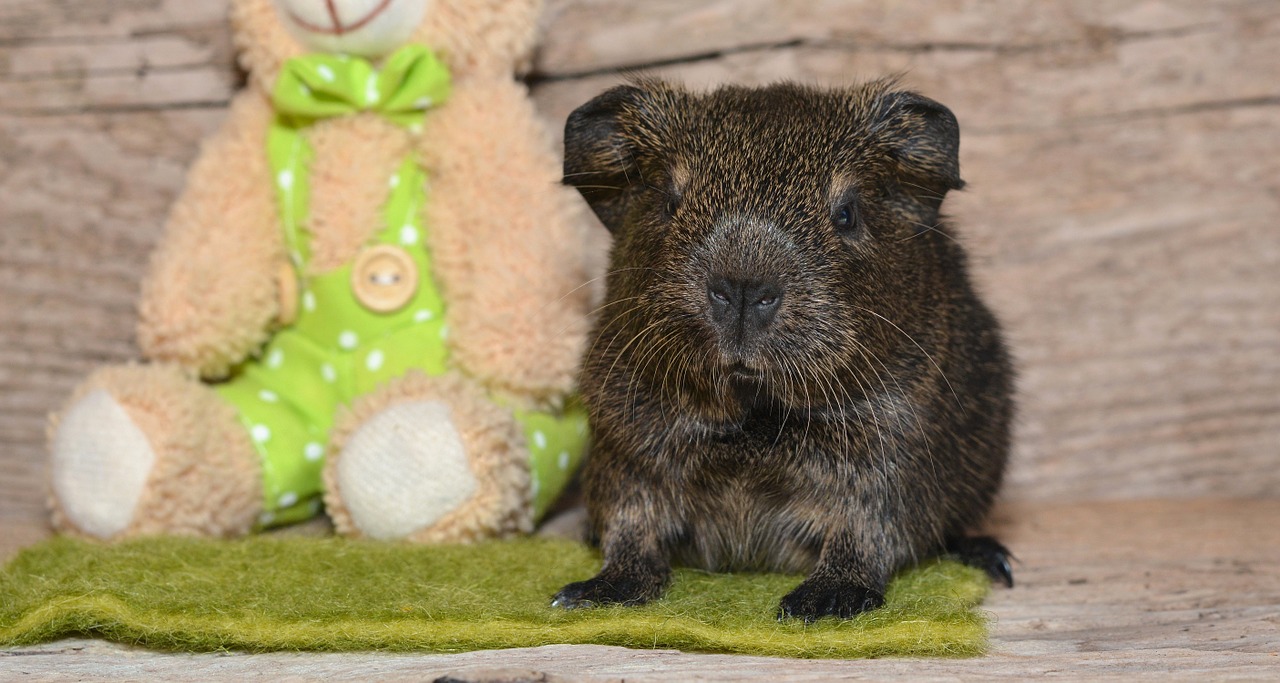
column 845, row 218
column 670, row 204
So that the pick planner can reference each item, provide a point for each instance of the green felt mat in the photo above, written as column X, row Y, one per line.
column 266, row 594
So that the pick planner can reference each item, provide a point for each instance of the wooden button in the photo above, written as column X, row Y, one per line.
column 384, row 278
column 287, row 286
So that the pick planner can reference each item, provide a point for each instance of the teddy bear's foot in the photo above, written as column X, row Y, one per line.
column 428, row 459
column 101, row 462
column 404, row 469
column 146, row 449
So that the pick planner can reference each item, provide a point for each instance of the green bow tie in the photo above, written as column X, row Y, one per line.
column 318, row 86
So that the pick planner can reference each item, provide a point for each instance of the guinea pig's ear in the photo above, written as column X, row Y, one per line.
column 925, row 140
column 598, row 159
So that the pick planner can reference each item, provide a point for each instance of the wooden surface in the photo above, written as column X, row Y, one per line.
column 1130, row 590
column 1123, row 161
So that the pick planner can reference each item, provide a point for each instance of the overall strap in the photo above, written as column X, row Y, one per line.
column 319, row 86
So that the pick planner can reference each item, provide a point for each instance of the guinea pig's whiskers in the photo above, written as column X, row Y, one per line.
column 600, row 187
column 600, row 334
column 918, row 346
column 588, row 283
column 896, row 407
column 928, row 228
column 925, row 192
column 795, row 376
column 843, row 390
column 655, row 351
column 865, row 389
column 623, row 352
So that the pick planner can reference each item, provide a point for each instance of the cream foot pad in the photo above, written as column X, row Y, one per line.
column 405, row 468
column 101, row 461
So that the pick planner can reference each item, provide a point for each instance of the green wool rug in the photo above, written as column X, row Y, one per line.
column 323, row 594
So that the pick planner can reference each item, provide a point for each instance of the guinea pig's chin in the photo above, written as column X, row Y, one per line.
column 743, row 370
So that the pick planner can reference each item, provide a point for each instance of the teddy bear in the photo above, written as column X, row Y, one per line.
column 368, row 299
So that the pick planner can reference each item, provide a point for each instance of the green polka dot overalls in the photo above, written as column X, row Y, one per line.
column 350, row 334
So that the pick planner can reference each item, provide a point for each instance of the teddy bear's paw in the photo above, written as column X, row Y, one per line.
column 404, row 469
column 101, row 461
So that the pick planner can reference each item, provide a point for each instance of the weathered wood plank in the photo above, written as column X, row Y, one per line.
column 1123, row 161
column 82, row 200
column 1134, row 589
column 1136, row 276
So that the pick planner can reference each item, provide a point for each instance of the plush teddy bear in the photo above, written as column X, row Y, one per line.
column 370, row 294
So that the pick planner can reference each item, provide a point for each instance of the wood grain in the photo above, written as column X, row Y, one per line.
column 1124, row 179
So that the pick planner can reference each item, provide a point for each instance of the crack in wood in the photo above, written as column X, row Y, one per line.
column 1134, row 115
column 140, row 70
column 116, row 109
column 538, row 77
column 1096, row 38
column 172, row 31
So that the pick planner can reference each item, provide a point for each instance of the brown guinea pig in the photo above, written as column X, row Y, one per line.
column 791, row 371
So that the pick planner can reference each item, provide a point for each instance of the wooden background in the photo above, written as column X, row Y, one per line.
column 1123, row 207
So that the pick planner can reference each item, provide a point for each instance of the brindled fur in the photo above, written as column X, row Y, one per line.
column 866, row 426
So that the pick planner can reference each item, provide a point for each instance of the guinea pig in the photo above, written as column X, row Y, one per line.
column 791, row 370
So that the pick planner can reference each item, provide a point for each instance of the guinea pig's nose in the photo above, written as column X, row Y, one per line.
column 742, row 308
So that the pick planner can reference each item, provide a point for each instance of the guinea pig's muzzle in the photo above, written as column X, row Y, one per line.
column 744, row 262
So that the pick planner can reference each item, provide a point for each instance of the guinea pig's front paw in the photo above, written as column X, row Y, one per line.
column 985, row 553
column 601, row 590
column 819, row 597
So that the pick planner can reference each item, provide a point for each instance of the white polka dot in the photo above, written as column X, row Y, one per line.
column 275, row 358
column 266, row 518
column 348, row 340
column 374, row 360
column 422, row 102
column 423, row 316
column 325, row 72
column 539, row 439
column 394, row 182
column 287, row 499
column 309, row 300
column 260, row 433
column 371, row 89
column 285, row 179
column 408, row 235
column 313, row 451
column 268, row 395
column 328, row 373
column 563, row 461
column 534, row 484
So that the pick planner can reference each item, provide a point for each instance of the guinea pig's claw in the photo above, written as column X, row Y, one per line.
column 816, row 598
column 599, row 591
column 574, row 596
column 985, row 553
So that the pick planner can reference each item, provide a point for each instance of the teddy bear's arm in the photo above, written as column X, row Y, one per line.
column 507, row 241
column 211, row 293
